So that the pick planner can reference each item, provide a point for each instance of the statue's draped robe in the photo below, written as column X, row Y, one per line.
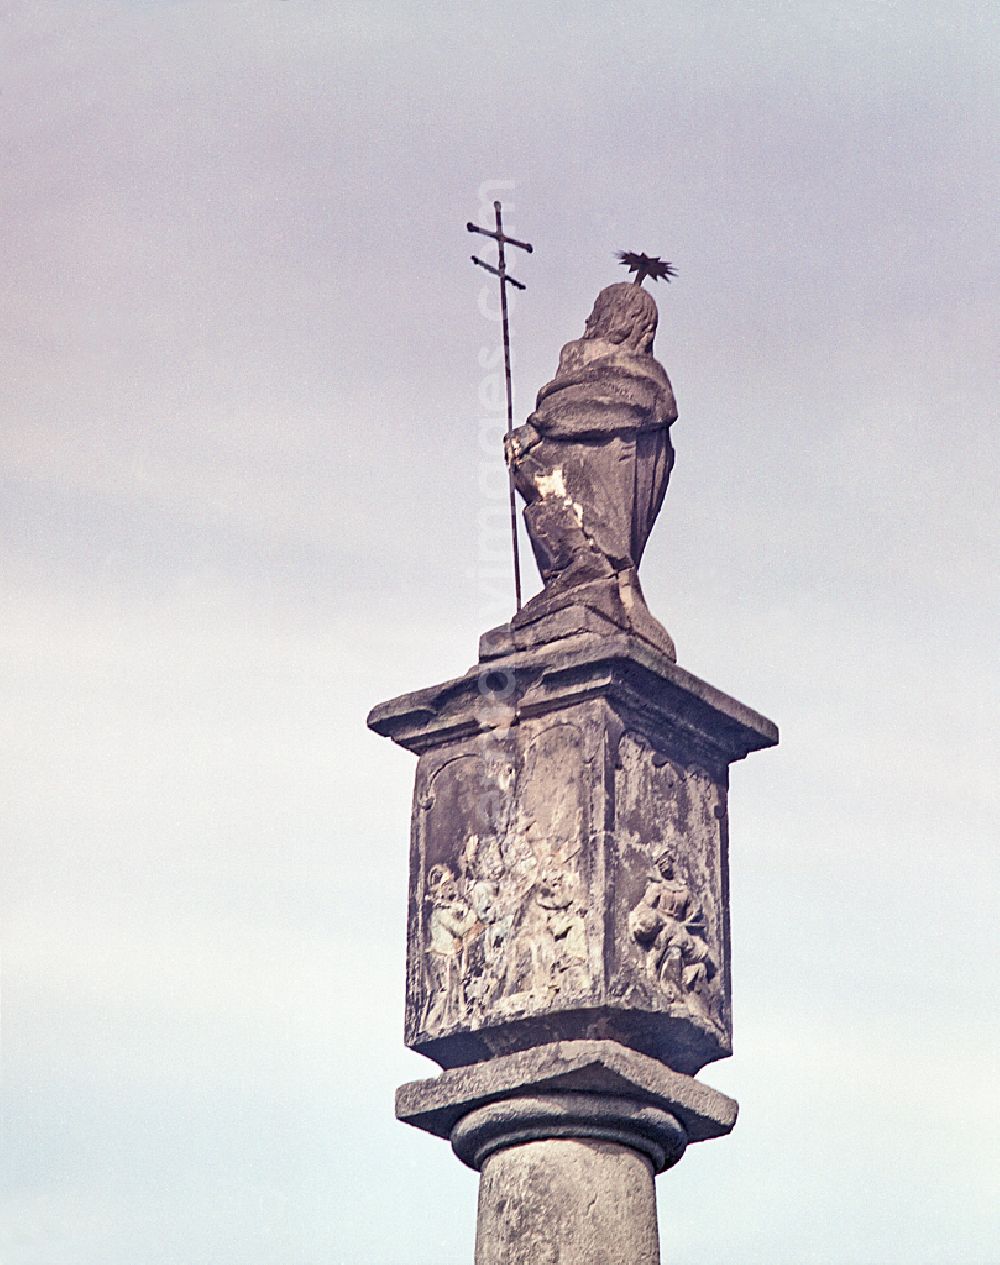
column 593, row 461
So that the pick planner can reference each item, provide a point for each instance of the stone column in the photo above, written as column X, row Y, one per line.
column 568, row 1138
column 568, row 1177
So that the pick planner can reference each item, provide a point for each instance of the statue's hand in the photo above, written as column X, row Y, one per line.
column 517, row 444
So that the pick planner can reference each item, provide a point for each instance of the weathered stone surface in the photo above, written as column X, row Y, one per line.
column 567, row 1201
column 592, row 463
column 438, row 1104
column 528, row 630
column 569, row 873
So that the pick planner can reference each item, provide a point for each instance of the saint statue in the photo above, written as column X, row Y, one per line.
column 592, row 463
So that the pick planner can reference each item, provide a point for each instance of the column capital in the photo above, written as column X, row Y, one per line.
column 655, row 1133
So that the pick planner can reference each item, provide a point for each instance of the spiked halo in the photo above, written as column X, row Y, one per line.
column 646, row 266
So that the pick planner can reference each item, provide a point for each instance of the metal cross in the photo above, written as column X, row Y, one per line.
column 501, row 239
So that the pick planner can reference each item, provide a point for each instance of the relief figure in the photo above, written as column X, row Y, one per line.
column 548, row 952
column 451, row 921
column 558, row 896
column 669, row 926
column 483, row 871
column 501, row 932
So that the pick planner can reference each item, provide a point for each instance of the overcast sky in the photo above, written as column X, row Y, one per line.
column 244, row 486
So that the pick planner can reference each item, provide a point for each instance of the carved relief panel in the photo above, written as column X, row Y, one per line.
column 569, row 880
column 569, row 854
column 502, row 923
column 670, row 909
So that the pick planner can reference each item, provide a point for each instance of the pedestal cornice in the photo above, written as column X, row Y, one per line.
column 499, row 693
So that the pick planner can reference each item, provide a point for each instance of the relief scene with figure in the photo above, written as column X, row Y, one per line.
column 672, row 910
column 561, row 866
column 503, row 923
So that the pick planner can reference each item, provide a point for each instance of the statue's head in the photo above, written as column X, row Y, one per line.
column 623, row 313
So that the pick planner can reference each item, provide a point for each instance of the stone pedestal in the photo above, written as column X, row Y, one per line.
column 569, row 853
column 568, row 939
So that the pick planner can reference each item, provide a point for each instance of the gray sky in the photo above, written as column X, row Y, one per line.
column 243, row 500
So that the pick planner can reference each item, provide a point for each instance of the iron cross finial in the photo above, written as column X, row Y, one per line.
column 501, row 239
column 646, row 266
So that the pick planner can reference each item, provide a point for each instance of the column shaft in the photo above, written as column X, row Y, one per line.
column 567, row 1201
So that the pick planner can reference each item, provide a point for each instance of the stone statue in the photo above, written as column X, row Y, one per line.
column 592, row 463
